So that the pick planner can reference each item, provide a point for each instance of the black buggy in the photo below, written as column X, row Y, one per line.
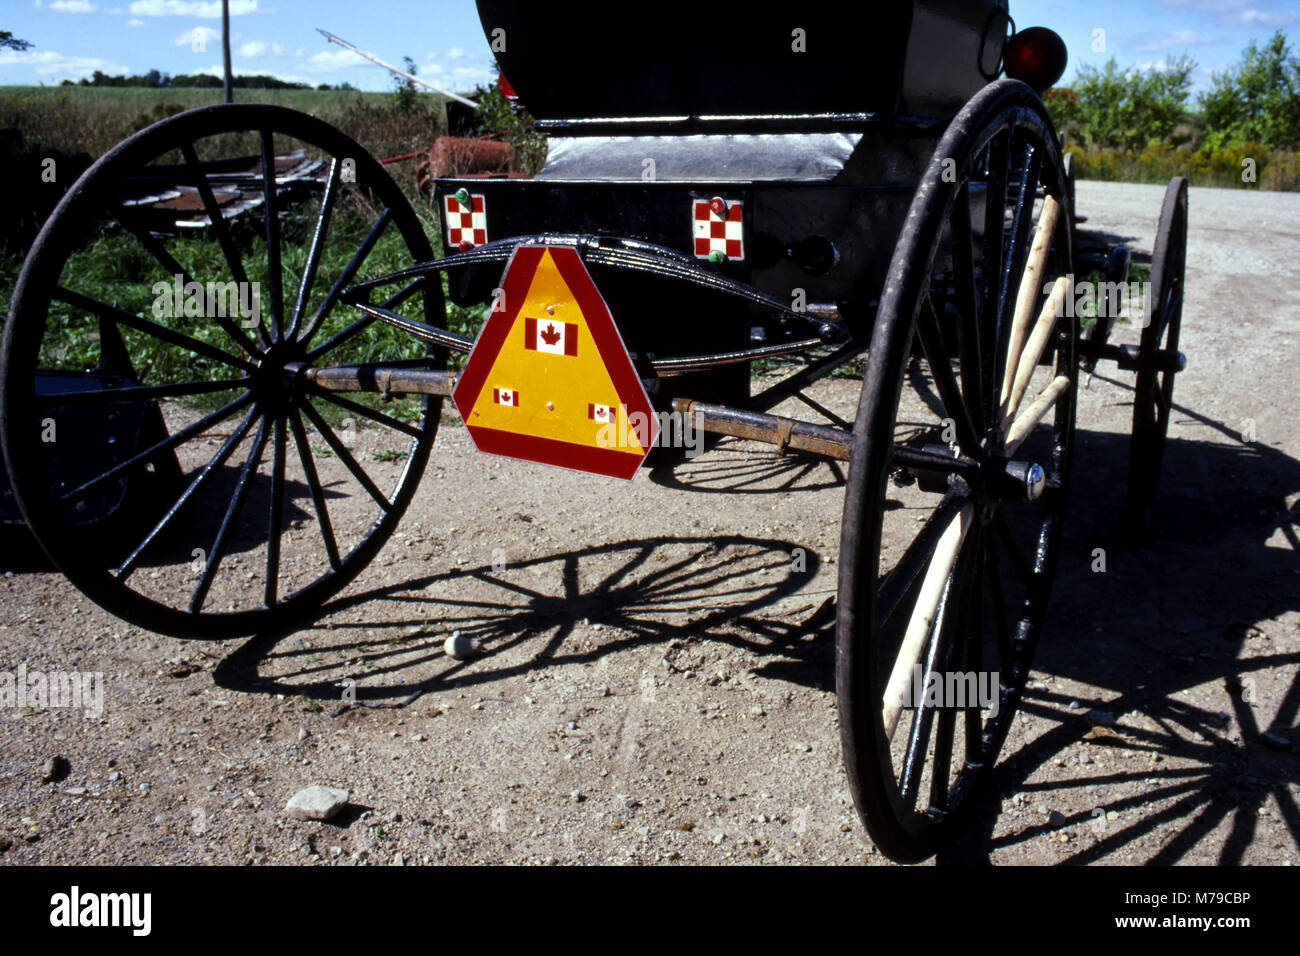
column 856, row 193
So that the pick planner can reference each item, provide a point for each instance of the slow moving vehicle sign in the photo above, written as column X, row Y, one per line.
column 549, row 379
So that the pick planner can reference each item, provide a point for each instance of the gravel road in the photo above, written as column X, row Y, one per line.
column 650, row 691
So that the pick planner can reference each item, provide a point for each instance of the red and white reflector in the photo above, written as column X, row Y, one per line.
column 718, row 230
column 465, row 223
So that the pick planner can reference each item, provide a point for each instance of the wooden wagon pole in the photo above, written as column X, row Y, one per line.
column 392, row 69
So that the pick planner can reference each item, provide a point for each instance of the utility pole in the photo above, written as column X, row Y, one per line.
column 225, row 47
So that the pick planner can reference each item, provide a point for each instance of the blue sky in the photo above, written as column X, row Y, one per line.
column 72, row 38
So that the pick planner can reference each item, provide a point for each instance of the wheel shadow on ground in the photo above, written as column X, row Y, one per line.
column 1204, row 714
column 563, row 608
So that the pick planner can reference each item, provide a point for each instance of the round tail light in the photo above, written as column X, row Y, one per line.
column 1037, row 56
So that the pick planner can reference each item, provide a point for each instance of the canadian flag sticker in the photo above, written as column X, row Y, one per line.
column 601, row 413
column 547, row 335
column 505, row 396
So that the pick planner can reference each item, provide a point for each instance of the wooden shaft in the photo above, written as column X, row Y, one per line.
column 923, row 614
column 1034, row 348
column 1031, row 284
column 1031, row 416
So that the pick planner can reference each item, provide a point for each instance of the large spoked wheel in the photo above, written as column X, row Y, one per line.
column 185, row 282
column 1159, row 360
column 961, row 451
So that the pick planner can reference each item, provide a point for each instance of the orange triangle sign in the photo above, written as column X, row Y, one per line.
column 549, row 379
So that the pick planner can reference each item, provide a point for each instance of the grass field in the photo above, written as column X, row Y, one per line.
column 74, row 119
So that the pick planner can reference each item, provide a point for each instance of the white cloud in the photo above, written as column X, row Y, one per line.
column 73, row 6
column 328, row 60
column 205, row 34
column 455, row 53
column 56, row 65
column 1259, row 18
column 207, row 9
column 1177, row 38
column 256, row 48
column 133, row 22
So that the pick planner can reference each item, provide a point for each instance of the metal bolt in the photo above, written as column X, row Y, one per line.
column 1035, row 482
column 550, row 310
column 550, row 407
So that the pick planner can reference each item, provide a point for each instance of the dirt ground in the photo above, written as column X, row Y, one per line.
column 651, row 691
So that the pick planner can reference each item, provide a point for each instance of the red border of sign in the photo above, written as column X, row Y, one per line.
column 518, row 276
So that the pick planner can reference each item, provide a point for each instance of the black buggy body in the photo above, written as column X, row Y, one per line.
column 812, row 128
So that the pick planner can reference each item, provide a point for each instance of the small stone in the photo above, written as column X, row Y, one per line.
column 461, row 648
column 115, row 776
column 577, row 796
column 1056, row 818
column 303, row 734
column 573, row 725
column 317, row 803
column 56, row 768
column 1276, row 741
column 5, row 843
column 336, row 851
column 1074, row 705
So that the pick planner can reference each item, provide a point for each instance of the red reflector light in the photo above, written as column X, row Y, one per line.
column 1037, row 56
column 504, row 86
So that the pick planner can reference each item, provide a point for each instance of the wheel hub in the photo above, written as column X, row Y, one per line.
column 277, row 382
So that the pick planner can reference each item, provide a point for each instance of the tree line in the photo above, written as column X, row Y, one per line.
column 1255, row 101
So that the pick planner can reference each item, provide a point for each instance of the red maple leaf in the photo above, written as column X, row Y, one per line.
column 550, row 336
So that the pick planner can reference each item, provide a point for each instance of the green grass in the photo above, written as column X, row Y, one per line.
column 93, row 119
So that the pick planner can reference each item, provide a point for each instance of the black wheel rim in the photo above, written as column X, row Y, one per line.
column 1153, row 389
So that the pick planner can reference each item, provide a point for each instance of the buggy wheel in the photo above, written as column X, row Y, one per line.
column 188, row 278
column 1159, row 360
column 945, row 569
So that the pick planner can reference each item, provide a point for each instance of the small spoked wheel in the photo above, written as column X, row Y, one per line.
column 957, row 484
column 1159, row 360
column 157, row 340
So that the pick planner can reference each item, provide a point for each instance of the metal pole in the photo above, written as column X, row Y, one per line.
column 225, row 47
column 392, row 69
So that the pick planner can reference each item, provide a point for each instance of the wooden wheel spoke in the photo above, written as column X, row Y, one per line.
column 1012, row 267
column 1021, row 366
column 270, row 205
column 215, row 219
column 160, row 332
column 406, row 428
column 969, row 349
column 918, row 743
column 895, row 585
column 924, row 612
column 174, row 268
column 194, row 487
column 1027, row 420
column 317, row 492
column 184, row 435
column 945, row 382
column 345, row 456
column 1029, row 293
column 228, row 521
column 345, row 278
column 140, row 393
column 317, row 249
column 1019, row 563
column 275, row 519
